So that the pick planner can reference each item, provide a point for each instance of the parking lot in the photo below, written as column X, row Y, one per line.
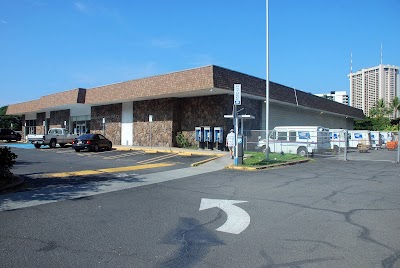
column 47, row 167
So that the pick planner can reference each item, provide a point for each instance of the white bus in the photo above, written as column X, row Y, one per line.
column 338, row 139
column 301, row 140
column 359, row 137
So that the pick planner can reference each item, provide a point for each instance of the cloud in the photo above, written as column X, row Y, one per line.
column 80, row 7
column 3, row 21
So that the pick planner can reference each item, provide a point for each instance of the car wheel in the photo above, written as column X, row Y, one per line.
column 62, row 145
column 53, row 143
column 96, row 148
column 302, row 151
column 109, row 146
column 77, row 150
column 37, row 146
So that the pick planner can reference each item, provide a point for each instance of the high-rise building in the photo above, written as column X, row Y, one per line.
column 338, row 96
column 367, row 86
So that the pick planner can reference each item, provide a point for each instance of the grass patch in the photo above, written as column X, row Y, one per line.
column 258, row 158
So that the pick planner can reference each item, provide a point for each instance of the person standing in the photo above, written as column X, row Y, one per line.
column 230, row 142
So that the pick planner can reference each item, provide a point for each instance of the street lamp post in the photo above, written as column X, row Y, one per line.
column 267, row 83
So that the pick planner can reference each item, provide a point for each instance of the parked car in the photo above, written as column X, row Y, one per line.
column 52, row 138
column 91, row 142
column 7, row 134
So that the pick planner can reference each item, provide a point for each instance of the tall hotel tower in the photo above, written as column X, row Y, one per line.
column 369, row 85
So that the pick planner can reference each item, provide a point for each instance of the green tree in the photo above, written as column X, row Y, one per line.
column 380, row 110
column 6, row 121
column 7, row 160
column 395, row 106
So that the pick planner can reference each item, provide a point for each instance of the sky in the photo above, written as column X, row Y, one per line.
column 50, row 46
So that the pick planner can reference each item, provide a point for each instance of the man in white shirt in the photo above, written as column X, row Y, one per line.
column 230, row 142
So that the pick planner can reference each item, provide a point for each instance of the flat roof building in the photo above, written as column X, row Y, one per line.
column 338, row 96
column 369, row 85
column 178, row 102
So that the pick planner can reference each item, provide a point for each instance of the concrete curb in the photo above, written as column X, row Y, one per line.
column 178, row 151
column 243, row 168
column 204, row 161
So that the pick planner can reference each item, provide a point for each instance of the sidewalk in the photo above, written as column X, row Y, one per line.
column 181, row 151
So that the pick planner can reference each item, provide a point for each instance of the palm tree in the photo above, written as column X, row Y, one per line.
column 395, row 106
column 380, row 110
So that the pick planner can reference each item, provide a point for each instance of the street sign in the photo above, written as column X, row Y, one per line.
column 237, row 92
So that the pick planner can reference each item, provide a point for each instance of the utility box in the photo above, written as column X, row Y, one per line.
column 218, row 137
column 240, row 150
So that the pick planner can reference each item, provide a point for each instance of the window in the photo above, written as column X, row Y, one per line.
column 282, row 136
column 292, row 135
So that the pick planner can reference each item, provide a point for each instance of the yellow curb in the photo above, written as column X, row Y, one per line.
column 184, row 153
column 104, row 170
column 204, row 161
column 271, row 166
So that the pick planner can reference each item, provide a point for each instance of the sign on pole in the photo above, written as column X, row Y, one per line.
column 237, row 92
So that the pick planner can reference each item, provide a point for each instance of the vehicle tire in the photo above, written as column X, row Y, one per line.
column 62, row 145
column 77, row 150
column 109, row 147
column 37, row 146
column 302, row 151
column 53, row 143
column 96, row 148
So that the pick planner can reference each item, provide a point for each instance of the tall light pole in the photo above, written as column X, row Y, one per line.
column 266, row 83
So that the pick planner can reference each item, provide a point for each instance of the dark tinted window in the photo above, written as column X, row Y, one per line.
column 86, row 136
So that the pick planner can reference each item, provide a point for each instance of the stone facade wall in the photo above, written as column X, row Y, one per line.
column 57, row 118
column 112, row 114
column 40, row 117
column 210, row 111
column 162, row 127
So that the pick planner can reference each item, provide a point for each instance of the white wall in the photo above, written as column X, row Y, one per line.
column 127, row 124
column 282, row 115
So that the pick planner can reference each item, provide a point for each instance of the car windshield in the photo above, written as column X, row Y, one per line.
column 86, row 137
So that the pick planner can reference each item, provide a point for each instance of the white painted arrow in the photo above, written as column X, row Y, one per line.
column 237, row 219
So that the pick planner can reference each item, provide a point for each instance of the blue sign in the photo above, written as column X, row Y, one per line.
column 304, row 135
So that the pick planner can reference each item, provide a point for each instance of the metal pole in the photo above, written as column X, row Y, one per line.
column 236, row 127
column 345, row 144
column 398, row 149
column 267, row 84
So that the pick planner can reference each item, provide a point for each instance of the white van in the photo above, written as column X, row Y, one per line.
column 376, row 141
column 338, row 139
column 359, row 137
column 301, row 140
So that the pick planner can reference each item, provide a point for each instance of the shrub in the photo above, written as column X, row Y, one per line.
column 182, row 141
column 7, row 160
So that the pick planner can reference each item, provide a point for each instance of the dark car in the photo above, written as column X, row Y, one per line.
column 92, row 142
column 7, row 134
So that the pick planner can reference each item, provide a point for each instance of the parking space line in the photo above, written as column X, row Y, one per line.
column 104, row 170
column 155, row 159
column 123, row 155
